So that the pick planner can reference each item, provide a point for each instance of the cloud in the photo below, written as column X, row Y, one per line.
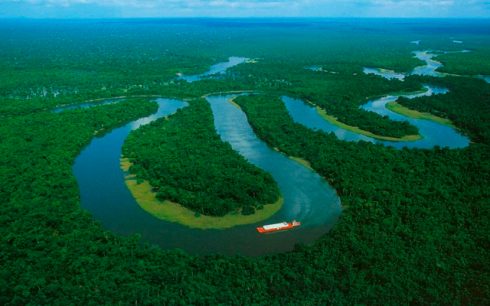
column 159, row 3
column 230, row 8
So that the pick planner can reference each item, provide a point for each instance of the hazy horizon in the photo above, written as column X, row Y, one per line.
column 102, row 9
column 278, row 18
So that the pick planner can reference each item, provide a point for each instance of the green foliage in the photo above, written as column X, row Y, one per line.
column 42, row 146
column 393, row 220
column 415, row 224
column 472, row 115
column 186, row 162
column 476, row 62
column 343, row 97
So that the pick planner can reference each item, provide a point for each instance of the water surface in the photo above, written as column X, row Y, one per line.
column 429, row 69
column 431, row 65
column 85, row 105
column 315, row 68
column 307, row 197
column 433, row 134
column 219, row 68
column 486, row 78
column 385, row 73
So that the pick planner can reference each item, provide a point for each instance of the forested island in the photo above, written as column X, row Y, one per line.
column 185, row 161
column 414, row 222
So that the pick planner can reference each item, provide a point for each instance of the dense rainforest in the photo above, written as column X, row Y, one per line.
column 42, row 147
column 185, row 161
column 415, row 224
column 422, row 202
column 343, row 102
column 470, row 116
column 340, row 93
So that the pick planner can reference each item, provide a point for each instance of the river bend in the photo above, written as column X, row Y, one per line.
column 307, row 196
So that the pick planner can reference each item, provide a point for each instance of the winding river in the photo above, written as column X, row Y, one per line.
column 307, row 196
column 385, row 73
column 433, row 133
column 86, row 105
column 428, row 69
column 219, row 68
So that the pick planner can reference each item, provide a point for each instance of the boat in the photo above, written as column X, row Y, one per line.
column 278, row 227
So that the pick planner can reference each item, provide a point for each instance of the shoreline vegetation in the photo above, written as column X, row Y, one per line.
column 302, row 161
column 299, row 160
column 405, row 111
column 232, row 102
column 393, row 106
column 174, row 212
column 156, row 96
column 108, row 98
column 189, row 166
column 357, row 130
column 414, row 229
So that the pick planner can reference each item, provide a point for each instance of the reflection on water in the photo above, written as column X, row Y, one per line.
column 104, row 194
column 434, row 134
column 314, row 68
column 219, row 68
column 486, row 78
column 385, row 73
column 307, row 197
column 430, row 67
column 86, row 105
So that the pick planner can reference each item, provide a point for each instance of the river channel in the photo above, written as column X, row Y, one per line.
column 433, row 133
column 307, row 196
column 217, row 69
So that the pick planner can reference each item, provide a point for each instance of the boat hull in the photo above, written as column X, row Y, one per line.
column 279, row 227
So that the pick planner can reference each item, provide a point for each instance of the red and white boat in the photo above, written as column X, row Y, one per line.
column 278, row 227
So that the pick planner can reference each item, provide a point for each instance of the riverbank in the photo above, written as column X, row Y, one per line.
column 357, row 130
column 402, row 110
column 302, row 162
column 232, row 101
column 299, row 160
column 107, row 98
column 174, row 212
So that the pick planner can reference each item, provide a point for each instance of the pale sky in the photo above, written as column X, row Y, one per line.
column 243, row 8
